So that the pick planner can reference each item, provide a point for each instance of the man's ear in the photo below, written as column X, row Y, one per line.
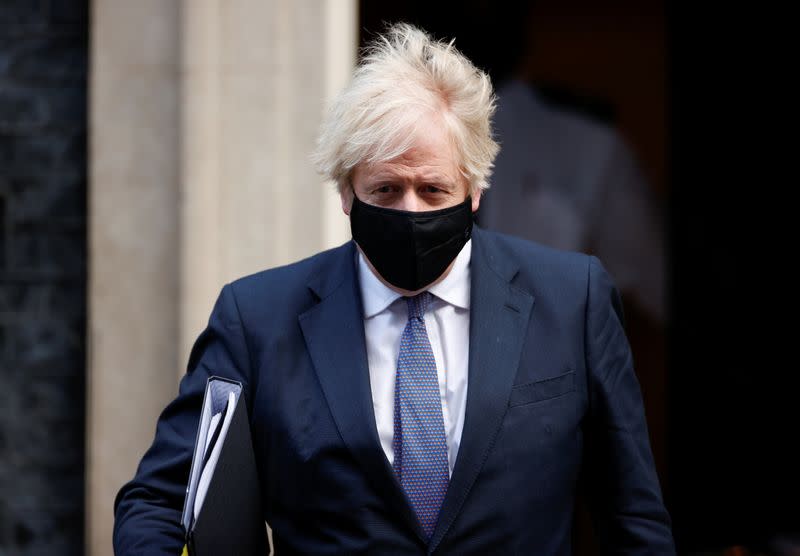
column 476, row 200
column 346, row 195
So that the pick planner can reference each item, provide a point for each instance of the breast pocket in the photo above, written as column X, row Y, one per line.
column 541, row 390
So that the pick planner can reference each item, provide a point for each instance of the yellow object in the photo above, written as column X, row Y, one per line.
column 185, row 551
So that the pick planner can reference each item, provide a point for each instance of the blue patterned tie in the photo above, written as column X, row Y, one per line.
column 420, row 445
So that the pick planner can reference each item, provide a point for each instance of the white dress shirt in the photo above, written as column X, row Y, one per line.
column 447, row 323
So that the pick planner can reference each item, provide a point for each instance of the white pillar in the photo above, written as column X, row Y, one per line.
column 256, row 77
column 203, row 115
column 133, row 243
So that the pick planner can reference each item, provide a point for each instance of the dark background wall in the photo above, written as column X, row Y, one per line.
column 43, row 65
column 734, row 415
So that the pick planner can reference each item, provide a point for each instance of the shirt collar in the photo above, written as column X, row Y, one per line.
column 454, row 289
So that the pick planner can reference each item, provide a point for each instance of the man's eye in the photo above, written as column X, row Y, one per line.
column 432, row 189
column 383, row 189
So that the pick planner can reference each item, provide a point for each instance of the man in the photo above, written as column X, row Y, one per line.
column 428, row 387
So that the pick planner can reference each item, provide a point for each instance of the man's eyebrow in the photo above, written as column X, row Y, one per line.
column 437, row 179
column 386, row 175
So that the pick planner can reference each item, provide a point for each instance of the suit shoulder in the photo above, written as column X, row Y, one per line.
column 540, row 267
column 526, row 252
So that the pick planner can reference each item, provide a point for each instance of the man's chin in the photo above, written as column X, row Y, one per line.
column 407, row 293
column 402, row 291
column 410, row 293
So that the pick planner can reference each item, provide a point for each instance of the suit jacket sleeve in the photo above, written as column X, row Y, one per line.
column 624, row 494
column 148, row 509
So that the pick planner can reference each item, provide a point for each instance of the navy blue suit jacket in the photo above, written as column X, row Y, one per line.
column 553, row 405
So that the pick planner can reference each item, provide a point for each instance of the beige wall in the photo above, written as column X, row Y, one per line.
column 202, row 116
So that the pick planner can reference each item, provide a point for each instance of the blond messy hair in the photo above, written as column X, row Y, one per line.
column 405, row 77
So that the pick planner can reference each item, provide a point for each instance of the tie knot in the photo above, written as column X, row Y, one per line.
column 417, row 305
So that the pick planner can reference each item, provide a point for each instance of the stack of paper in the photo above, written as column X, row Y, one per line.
column 222, row 511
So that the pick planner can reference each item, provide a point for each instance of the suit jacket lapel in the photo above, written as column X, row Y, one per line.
column 499, row 315
column 334, row 334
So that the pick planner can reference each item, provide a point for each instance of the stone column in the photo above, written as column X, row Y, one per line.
column 203, row 115
column 132, row 326
column 256, row 77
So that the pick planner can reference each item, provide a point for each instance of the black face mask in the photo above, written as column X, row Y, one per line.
column 410, row 249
